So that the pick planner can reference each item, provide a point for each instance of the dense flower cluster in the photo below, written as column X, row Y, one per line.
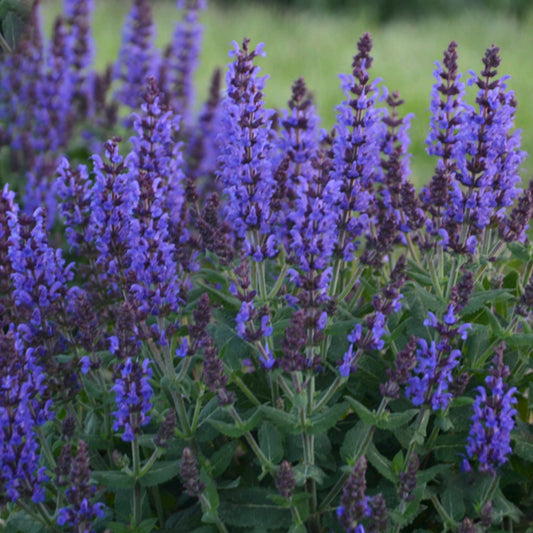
column 257, row 295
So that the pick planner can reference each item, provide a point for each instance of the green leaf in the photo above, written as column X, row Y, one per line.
column 235, row 430
column 210, row 512
column 146, row 526
column 418, row 274
column 380, row 463
column 453, row 502
column 23, row 523
column 397, row 462
column 12, row 28
column 429, row 474
column 523, row 447
column 159, row 473
column 494, row 323
column 304, row 472
column 221, row 459
column 519, row 251
column 285, row 422
column 519, row 339
column 367, row 416
column 220, row 296
column 270, row 442
column 321, row 422
column 251, row 508
column 298, row 528
column 503, row 507
column 113, row 479
column 185, row 519
column 118, row 527
column 352, row 442
column 478, row 299
column 395, row 420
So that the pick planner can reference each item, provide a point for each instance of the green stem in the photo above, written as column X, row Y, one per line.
column 137, row 489
column 337, row 384
column 349, row 286
column 357, row 454
column 265, row 463
column 197, row 411
column 527, row 273
column 158, row 505
column 308, row 442
column 286, row 388
column 4, row 45
column 42, row 516
column 184, row 369
column 279, row 281
column 296, row 515
column 435, row 279
column 412, row 250
column 182, row 414
column 45, row 447
column 242, row 386
column 422, row 419
column 144, row 470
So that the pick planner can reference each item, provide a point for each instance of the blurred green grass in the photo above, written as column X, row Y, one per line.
column 320, row 46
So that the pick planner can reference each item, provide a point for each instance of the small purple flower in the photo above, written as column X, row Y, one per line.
column 85, row 364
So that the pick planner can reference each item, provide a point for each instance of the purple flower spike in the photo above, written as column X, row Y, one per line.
column 489, row 440
column 247, row 154
column 180, row 60
column 133, row 394
column 360, row 134
column 137, row 58
column 81, row 512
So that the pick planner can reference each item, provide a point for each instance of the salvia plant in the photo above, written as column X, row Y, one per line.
column 225, row 318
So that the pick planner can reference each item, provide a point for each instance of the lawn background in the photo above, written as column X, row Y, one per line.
column 319, row 46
